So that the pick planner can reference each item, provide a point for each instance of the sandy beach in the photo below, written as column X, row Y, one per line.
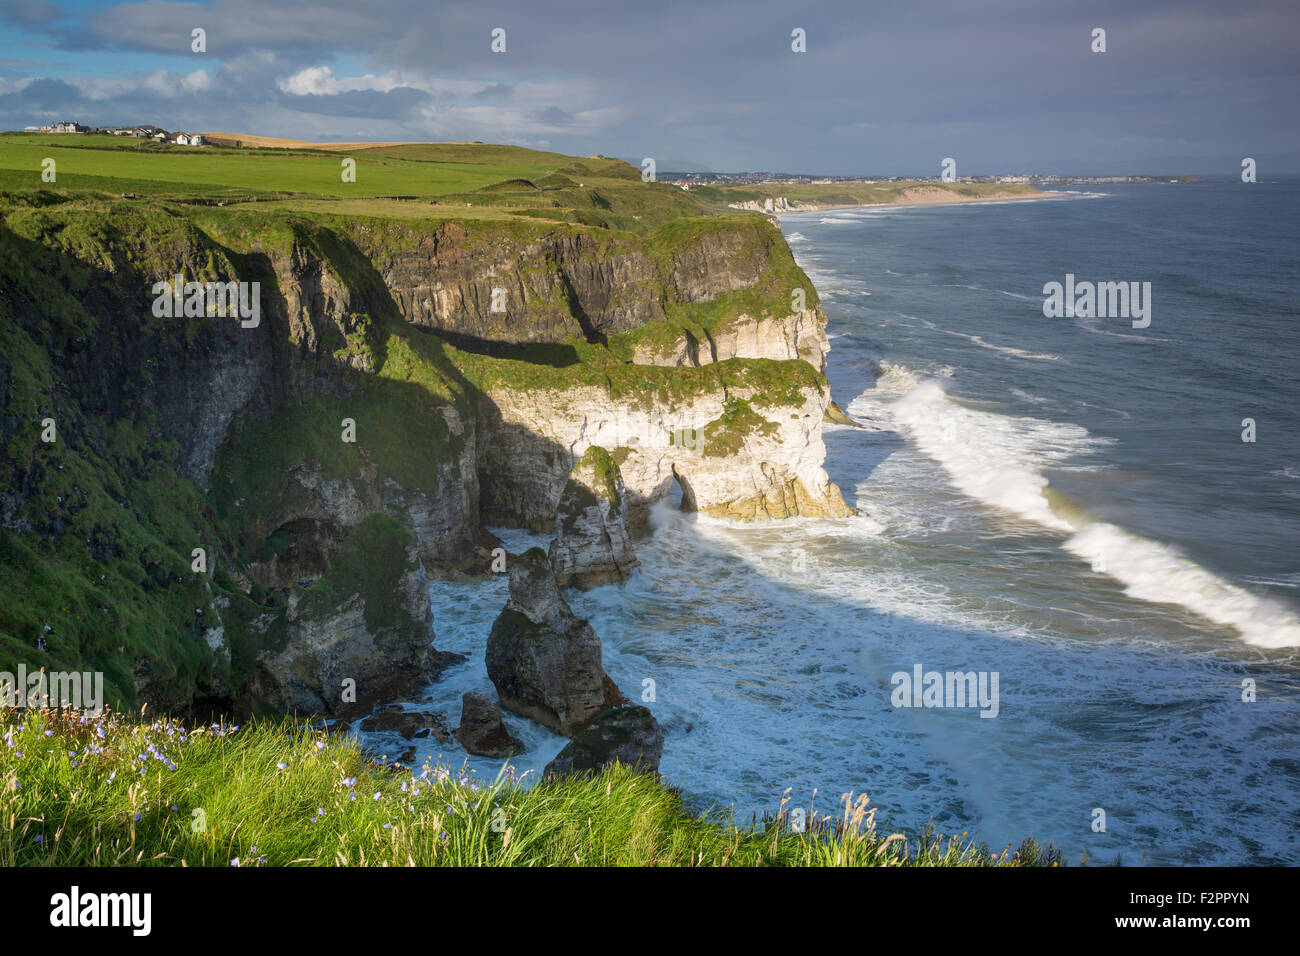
column 923, row 196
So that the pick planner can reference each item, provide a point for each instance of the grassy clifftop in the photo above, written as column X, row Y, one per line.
column 104, row 791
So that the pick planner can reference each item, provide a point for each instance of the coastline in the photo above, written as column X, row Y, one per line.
column 929, row 200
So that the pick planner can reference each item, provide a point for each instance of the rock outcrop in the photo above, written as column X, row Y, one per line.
column 735, row 450
column 544, row 660
column 361, row 628
column 408, row 724
column 629, row 735
column 482, row 731
column 592, row 545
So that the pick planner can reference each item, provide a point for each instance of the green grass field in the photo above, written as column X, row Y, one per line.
column 105, row 791
column 445, row 180
column 207, row 171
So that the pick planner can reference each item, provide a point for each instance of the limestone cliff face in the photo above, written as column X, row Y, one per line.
column 771, row 205
column 557, row 283
column 799, row 335
column 769, row 465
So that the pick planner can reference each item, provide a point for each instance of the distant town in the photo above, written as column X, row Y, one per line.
column 688, row 180
column 138, row 132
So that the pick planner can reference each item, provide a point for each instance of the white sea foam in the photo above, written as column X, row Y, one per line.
column 1158, row 573
column 1005, row 349
column 999, row 460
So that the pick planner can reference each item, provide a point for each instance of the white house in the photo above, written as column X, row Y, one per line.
column 189, row 139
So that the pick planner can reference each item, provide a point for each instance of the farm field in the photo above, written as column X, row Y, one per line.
column 101, row 163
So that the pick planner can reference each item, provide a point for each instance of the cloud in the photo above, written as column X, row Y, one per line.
column 320, row 81
column 1010, row 83
column 30, row 12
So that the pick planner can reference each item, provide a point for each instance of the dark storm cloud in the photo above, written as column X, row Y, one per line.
column 1000, row 84
column 29, row 11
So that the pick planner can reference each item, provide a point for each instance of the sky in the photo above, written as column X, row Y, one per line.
column 886, row 88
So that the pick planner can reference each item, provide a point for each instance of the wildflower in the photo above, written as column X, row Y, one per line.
column 376, row 794
column 235, row 862
column 282, row 766
column 137, row 817
column 320, row 745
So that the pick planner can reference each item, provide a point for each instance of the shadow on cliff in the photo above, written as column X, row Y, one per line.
column 555, row 354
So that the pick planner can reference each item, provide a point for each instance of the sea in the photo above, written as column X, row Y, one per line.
column 1096, row 515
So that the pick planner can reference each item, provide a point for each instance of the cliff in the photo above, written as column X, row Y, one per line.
column 390, row 400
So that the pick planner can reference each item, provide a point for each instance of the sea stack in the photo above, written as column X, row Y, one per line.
column 543, row 659
column 592, row 545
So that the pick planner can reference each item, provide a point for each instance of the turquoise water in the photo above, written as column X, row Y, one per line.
column 1065, row 502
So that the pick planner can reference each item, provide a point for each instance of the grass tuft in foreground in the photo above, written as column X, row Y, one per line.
column 104, row 790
